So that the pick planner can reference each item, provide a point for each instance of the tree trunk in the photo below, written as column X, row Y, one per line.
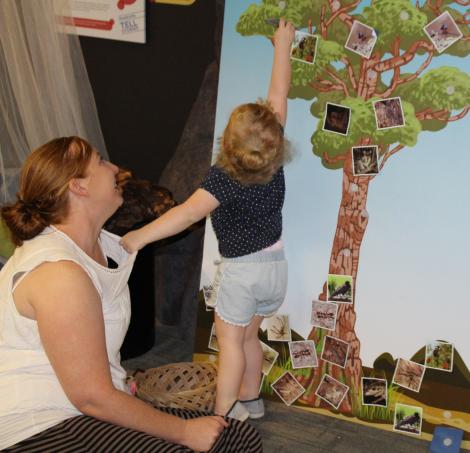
column 344, row 260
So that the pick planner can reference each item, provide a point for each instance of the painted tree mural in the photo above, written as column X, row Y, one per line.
column 431, row 99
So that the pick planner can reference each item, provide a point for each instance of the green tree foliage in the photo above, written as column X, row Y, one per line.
column 430, row 98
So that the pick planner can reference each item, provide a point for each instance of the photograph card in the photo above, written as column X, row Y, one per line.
column 408, row 374
column 340, row 288
column 304, row 47
column 389, row 113
column 213, row 343
column 324, row 314
column 365, row 160
column 439, row 355
column 337, row 118
column 374, row 391
column 270, row 356
column 303, row 354
column 408, row 419
column 278, row 328
column 332, row 391
column 287, row 388
column 335, row 351
column 443, row 31
column 361, row 39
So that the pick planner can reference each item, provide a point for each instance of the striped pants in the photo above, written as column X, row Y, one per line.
column 84, row 434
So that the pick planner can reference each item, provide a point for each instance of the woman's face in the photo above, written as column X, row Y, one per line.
column 102, row 186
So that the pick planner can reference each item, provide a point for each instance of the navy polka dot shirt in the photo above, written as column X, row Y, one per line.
column 249, row 218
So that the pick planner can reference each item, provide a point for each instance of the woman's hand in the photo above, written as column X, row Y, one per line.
column 131, row 242
column 201, row 433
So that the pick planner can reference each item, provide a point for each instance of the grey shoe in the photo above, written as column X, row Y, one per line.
column 255, row 407
column 238, row 411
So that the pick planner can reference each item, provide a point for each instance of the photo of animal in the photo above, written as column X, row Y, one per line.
column 332, row 391
column 269, row 358
column 324, row 314
column 335, row 351
column 303, row 354
column 304, row 47
column 288, row 388
column 340, row 288
column 337, row 118
column 389, row 113
column 439, row 355
column 408, row 419
column 408, row 374
column 374, row 391
column 365, row 160
column 213, row 343
column 361, row 39
column 443, row 31
column 278, row 328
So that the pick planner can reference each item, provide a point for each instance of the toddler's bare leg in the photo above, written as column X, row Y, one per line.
column 254, row 361
column 231, row 364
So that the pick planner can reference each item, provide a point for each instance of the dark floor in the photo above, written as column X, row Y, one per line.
column 288, row 429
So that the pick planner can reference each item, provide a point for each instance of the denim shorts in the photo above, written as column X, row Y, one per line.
column 249, row 285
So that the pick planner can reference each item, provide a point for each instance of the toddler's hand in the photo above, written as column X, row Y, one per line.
column 284, row 34
column 130, row 242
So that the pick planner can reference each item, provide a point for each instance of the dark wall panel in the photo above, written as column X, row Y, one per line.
column 144, row 92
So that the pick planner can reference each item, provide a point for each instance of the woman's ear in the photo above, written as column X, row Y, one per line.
column 79, row 186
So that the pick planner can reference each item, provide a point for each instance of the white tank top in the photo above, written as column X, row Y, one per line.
column 31, row 397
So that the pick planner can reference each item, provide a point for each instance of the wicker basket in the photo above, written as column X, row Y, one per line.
column 188, row 385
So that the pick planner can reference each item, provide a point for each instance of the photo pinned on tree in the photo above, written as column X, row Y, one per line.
column 443, row 31
column 278, row 328
column 261, row 383
column 365, row 160
column 332, row 391
column 207, row 291
column 213, row 343
column 303, row 354
column 304, row 47
column 374, row 391
column 337, row 118
column 408, row 419
column 361, row 39
column 439, row 355
column 324, row 314
column 340, row 288
column 270, row 356
column 287, row 388
column 335, row 351
column 389, row 113
column 408, row 374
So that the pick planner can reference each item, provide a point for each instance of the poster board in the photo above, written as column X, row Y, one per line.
column 397, row 228
column 123, row 20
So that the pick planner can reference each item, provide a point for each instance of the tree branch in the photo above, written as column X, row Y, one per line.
column 323, row 27
column 352, row 77
column 396, row 70
column 465, row 19
column 436, row 9
column 459, row 115
column 441, row 115
column 407, row 79
column 325, row 86
column 390, row 153
column 333, row 160
column 339, row 80
column 342, row 13
column 405, row 58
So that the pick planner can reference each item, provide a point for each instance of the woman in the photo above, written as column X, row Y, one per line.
column 64, row 314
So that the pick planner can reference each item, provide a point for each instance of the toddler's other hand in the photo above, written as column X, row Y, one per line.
column 130, row 242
